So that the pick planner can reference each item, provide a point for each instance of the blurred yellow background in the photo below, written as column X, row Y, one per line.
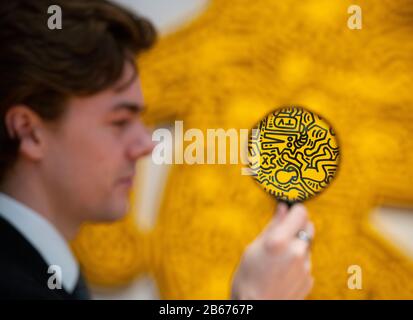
column 227, row 69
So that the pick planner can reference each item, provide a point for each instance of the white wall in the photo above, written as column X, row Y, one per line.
column 167, row 15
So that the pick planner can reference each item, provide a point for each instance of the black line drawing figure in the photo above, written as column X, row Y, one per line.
column 294, row 155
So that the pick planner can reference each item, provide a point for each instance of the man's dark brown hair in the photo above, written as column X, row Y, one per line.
column 42, row 68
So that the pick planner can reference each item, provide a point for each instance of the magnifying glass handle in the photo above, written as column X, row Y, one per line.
column 288, row 203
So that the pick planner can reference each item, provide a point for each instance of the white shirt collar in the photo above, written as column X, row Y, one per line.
column 43, row 236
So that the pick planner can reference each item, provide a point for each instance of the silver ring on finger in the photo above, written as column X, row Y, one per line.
column 303, row 235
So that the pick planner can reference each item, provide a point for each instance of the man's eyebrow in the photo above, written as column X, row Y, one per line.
column 129, row 106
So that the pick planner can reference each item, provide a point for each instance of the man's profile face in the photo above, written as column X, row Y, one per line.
column 90, row 159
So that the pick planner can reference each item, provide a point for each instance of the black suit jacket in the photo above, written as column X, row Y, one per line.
column 23, row 272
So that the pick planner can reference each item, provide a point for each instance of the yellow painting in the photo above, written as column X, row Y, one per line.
column 229, row 68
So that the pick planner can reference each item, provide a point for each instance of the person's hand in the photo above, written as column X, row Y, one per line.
column 277, row 264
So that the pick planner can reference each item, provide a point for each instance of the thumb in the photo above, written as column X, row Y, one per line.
column 281, row 213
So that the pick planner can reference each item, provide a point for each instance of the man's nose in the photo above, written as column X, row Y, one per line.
column 142, row 145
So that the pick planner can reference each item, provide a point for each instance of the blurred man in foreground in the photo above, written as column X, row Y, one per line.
column 70, row 135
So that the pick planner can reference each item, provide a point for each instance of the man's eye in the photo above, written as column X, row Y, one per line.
column 121, row 123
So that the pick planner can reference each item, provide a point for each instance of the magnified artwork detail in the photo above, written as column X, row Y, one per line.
column 294, row 154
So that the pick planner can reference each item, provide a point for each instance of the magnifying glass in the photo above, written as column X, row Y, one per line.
column 293, row 154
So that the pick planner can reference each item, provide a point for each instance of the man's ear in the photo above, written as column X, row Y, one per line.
column 25, row 125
